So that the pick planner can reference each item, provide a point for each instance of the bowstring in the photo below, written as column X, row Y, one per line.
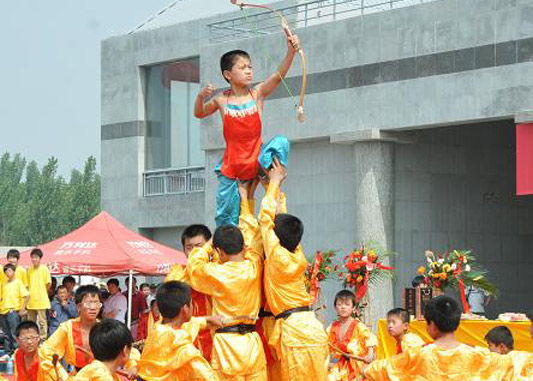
column 255, row 31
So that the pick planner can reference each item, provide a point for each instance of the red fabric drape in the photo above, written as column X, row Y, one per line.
column 524, row 159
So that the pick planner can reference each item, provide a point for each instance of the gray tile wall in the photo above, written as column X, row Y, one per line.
column 455, row 189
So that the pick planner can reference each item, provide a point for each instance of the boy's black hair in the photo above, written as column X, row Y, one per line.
column 444, row 312
column 108, row 338
column 88, row 289
column 417, row 281
column 289, row 230
column 36, row 251
column 68, row 279
column 345, row 294
column 113, row 281
column 144, row 285
column 500, row 335
column 400, row 313
column 171, row 297
column 228, row 60
column 61, row 287
column 228, row 238
column 9, row 266
column 27, row 324
column 195, row 230
column 13, row 253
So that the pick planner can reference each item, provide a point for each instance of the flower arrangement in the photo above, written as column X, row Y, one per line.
column 444, row 271
column 320, row 269
column 364, row 266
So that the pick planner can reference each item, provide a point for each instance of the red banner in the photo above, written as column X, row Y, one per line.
column 524, row 159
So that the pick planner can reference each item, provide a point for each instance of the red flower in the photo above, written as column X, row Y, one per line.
column 330, row 254
column 336, row 267
column 426, row 280
column 437, row 283
column 320, row 276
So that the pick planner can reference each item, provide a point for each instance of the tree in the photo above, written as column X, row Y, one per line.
column 37, row 206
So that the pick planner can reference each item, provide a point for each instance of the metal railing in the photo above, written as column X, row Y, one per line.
column 300, row 15
column 174, row 181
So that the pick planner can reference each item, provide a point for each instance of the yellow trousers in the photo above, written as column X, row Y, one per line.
column 258, row 376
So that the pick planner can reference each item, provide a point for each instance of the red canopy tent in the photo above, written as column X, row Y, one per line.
column 103, row 246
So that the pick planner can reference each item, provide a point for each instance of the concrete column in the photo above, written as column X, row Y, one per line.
column 374, row 208
column 374, row 201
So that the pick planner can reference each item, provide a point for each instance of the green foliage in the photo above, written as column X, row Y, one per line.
column 37, row 205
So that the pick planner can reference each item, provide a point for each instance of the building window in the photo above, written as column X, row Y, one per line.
column 173, row 136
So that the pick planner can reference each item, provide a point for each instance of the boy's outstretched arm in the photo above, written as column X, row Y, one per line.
column 266, row 88
column 201, row 109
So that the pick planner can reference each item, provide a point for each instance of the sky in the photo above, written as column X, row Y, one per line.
column 50, row 69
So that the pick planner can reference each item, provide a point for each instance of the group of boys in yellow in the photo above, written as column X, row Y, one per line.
column 32, row 282
column 296, row 338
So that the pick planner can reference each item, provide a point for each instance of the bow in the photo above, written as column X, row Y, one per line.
column 286, row 28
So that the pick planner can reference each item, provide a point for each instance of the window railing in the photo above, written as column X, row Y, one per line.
column 174, row 181
column 305, row 13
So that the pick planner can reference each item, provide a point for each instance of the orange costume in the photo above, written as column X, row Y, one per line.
column 409, row 340
column 297, row 336
column 34, row 373
column 201, row 306
column 357, row 341
column 265, row 325
column 238, row 352
column 67, row 343
column 461, row 363
column 96, row 371
column 169, row 354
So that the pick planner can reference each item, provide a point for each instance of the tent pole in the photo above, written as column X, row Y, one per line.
column 130, row 287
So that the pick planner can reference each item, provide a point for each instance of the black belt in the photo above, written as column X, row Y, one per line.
column 239, row 328
column 263, row 313
column 287, row 313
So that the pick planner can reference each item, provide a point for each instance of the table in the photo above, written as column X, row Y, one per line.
column 471, row 332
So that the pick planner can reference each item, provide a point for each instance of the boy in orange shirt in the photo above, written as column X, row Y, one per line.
column 27, row 366
column 398, row 325
column 351, row 343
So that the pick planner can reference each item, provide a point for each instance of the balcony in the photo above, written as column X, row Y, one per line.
column 164, row 182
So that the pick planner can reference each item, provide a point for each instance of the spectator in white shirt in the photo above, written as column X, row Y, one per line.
column 116, row 305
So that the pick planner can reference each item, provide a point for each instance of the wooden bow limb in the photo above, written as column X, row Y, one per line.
column 286, row 28
column 338, row 350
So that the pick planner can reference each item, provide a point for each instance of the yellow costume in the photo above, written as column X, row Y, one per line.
column 299, row 339
column 201, row 306
column 20, row 274
column 409, row 341
column 96, row 371
column 169, row 355
column 67, row 343
column 357, row 340
column 235, row 289
column 432, row 362
column 253, row 240
column 523, row 365
column 14, row 294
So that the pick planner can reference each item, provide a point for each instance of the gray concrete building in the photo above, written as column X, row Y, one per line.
column 409, row 140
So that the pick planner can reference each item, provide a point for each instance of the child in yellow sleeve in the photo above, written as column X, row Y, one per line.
column 348, row 336
column 194, row 236
column 169, row 353
column 298, row 337
column 234, row 284
column 397, row 326
column 110, row 342
column 446, row 358
column 13, row 256
column 12, row 307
